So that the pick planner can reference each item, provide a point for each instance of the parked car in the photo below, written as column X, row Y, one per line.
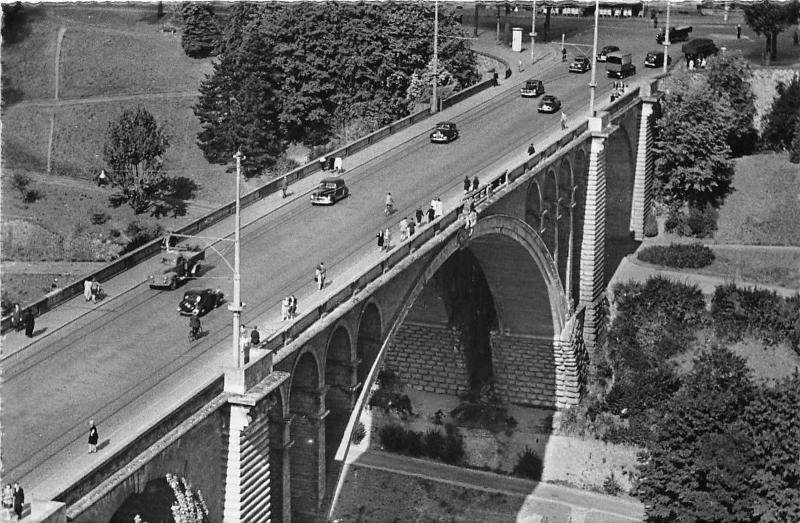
column 580, row 65
column 605, row 51
column 656, row 59
column 532, row 89
column 698, row 48
column 444, row 132
column 549, row 104
column 676, row 34
column 330, row 191
column 618, row 65
column 177, row 266
column 200, row 300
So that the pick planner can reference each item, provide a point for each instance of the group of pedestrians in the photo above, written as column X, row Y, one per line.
column 289, row 307
column 22, row 320
column 92, row 290
column 13, row 500
column 618, row 90
column 408, row 227
column 471, row 185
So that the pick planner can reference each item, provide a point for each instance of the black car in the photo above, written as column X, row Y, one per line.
column 532, row 89
column 330, row 191
column 607, row 50
column 200, row 300
column 549, row 104
column 444, row 132
column 656, row 59
column 580, row 65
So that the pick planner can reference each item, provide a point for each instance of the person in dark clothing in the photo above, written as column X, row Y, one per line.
column 284, row 186
column 255, row 338
column 94, row 436
column 19, row 500
column 467, row 184
column 475, row 184
column 531, row 149
column 495, row 76
column 738, row 31
column 431, row 214
column 29, row 322
column 419, row 215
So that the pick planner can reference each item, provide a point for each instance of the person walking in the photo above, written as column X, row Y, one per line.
column 96, row 290
column 8, row 501
column 419, row 215
column 93, row 437
column 387, row 239
column 379, row 236
column 738, row 31
column 431, row 214
column 563, row 54
column 29, row 322
column 389, row 204
column 531, row 149
column 439, row 207
column 467, row 184
column 285, row 306
column 284, row 186
column 475, row 184
column 16, row 317
column 403, row 229
column 411, row 228
column 87, row 290
column 691, row 64
column 320, row 274
column 102, row 178
column 19, row 499
column 563, row 120
column 495, row 76
column 519, row 66
column 655, row 20
column 323, row 163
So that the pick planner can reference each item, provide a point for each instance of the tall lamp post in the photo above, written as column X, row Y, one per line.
column 666, row 42
column 236, row 305
column 434, row 106
column 533, row 28
column 593, row 82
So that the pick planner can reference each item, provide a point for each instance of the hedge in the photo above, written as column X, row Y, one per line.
column 681, row 256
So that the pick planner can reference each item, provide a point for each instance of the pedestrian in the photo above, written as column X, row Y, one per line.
column 255, row 338
column 563, row 120
column 613, row 97
column 319, row 275
column 16, row 317
column 284, row 186
column 323, row 163
column 285, row 306
column 467, row 184
column 738, row 31
column 8, row 501
column 379, row 236
column 102, row 178
column 403, row 228
column 519, row 66
column 531, row 149
column 292, row 306
column 439, row 207
column 419, row 215
column 387, row 239
column 495, row 76
column 29, row 322
column 96, row 290
column 19, row 499
column 93, row 437
column 691, row 64
column 475, row 184
column 703, row 63
column 431, row 214
column 337, row 165
column 472, row 219
column 563, row 54
column 411, row 228
column 87, row 290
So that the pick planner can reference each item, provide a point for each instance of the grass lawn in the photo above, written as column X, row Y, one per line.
column 28, row 57
column 25, row 137
column 769, row 267
column 764, row 208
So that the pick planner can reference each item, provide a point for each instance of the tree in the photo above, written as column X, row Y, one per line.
column 189, row 507
column 780, row 122
column 134, row 147
column 699, row 461
column 693, row 164
column 771, row 18
column 201, row 33
column 730, row 75
column 420, row 89
column 794, row 155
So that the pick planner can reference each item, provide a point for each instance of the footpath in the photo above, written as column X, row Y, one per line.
column 67, row 462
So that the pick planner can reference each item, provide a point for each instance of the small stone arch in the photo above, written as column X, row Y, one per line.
column 534, row 205
column 341, row 385
column 620, row 175
column 369, row 338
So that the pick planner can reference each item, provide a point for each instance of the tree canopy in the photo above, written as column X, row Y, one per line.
column 770, row 18
column 309, row 69
column 729, row 75
column 201, row 32
column 779, row 127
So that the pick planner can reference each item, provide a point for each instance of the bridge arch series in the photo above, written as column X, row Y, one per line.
column 525, row 308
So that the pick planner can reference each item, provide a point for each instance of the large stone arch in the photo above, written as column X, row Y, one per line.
column 369, row 339
column 549, row 187
column 565, row 220
column 580, row 172
column 620, row 174
column 341, row 392
column 307, row 455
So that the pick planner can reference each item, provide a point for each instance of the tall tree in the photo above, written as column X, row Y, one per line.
column 779, row 125
column 794, row 154
column 693, row 162
column 201, row 32
column 134, row 147
column 770, row 18
column 730, row 75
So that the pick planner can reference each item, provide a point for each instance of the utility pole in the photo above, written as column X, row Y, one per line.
column 434, row 106
column 498, row 22
column 477, row 14
column 533, row 28
column 593, row 83
column 236, row 305
column 666, row 42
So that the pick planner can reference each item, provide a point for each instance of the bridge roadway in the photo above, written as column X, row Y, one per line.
column 113, row 364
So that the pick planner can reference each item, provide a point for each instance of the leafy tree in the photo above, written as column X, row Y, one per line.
column 780, row 122
column 133, row 150
column 420, row 89
column 200, row 30
column 700, row 458
column 770, row 18
column 189, row 507
column 794, row 155
column 693, row 162
column 730, row 75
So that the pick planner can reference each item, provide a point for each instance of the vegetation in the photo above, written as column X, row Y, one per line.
column 359, row 433
column 693, row 255
column 134, row 147
column 529, row 465
column 794, row 154
column 448, row 447
column 781, row 121
column 201, row 32
column 730, row 76
column 282, row 75
column 189, row 506
column 770, row 19
column 697, row 222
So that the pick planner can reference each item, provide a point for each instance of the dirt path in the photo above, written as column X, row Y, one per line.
column 25, row 267
column 102, row 99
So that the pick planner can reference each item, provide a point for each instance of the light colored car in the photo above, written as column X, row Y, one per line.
column 330, row 191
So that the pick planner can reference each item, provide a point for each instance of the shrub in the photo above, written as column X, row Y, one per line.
column 794, row 152
column 529, row 465
column 453, row 451
column 393, row 438
column 20, row 182
column 699, row 222
column 414, row 443
column 434, row 443
column 681, row 256
column 141, row 233
column 780, row 121
column 650, row 225
column 359, row 432
column 611, row 486
column 99, row 218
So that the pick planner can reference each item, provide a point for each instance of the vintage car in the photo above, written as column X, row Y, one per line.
column 605, row 51
column 200, row 300
column 580, row 65
column 532, row 89
column 549, row 104
column 177, row 266
column 330, row 191
column 444, row 132
column 656, row 59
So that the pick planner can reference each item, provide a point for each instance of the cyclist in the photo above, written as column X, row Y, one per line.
column 389, row 204
column 194, row 326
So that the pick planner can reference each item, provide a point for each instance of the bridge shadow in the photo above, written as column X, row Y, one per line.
column 152, row 504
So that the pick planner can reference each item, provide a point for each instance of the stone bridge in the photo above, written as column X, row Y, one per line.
column 516, row 301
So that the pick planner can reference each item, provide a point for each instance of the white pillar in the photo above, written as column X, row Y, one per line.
column 643, row 178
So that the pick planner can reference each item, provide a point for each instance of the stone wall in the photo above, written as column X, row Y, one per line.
column 524, row 370
column 429, row 358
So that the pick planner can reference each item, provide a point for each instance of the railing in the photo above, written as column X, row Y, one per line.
column 75, row 288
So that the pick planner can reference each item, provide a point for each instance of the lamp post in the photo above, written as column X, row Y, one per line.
column 236, row 305
column 434, row 106
column 666, row 42
column 533, row 28
column 593, row 82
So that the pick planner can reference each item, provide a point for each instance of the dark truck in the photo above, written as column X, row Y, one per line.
column 676, row 34
column 178, row 265
column 618, row 65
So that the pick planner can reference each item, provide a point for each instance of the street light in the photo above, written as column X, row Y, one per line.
column 236, row 305
column 434, row 106
column 666, row 42
column 533, row 27
column 593, row 82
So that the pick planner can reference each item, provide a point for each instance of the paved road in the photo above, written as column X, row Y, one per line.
column 119, row 359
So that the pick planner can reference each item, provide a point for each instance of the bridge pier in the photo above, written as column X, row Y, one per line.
column 643, row 178
column 279, row 462
column 308, row 453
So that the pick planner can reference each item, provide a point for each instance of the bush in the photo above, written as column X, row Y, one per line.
column 780, row 121
column 650, row 225
column 140, row 234
column 359, row 432
column 99, row 218
column 529, row 465
column 434, row 443
column 681, row 256
column 699, row 223
column 453, row 451
column 20, row 182
column 393, row 438
column 794, row 152
column 611, row 486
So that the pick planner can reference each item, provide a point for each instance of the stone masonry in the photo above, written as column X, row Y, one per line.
column 429, row 358
column 524, row 370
